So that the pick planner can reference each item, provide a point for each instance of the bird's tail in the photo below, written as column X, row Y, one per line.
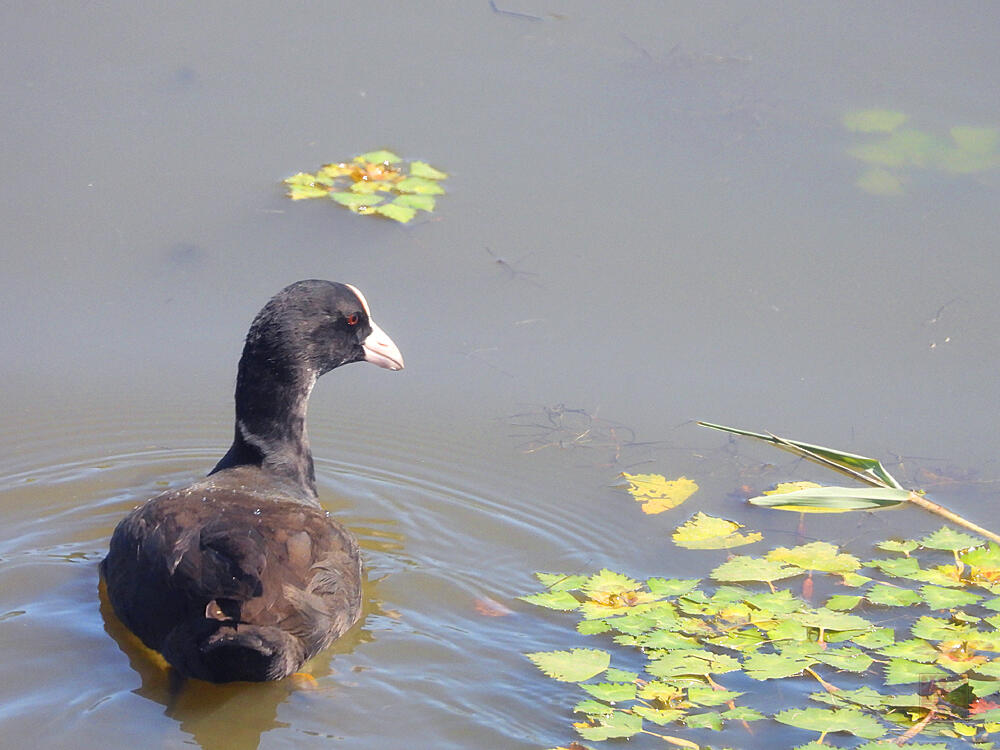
column 231, row 651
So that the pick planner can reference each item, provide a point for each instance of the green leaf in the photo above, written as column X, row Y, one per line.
column 816, row 556
column 905, row 546
column 742, row 713
column 873, row 120
column 425, row 170
column 707, row 720
column 356, row 202
column 683, row 663
column 936, row 629
column 561, row 600
column 593, row 708
column 617, row 724
column 948, row 539
column 418, row 202
column 832, row 720
column 367, row 187
column 842, row 602
column 892, row 596
column 672, row 586
column 876, row 638
column 900, row 671
column 870, row 470
column 706, row 696
column 419, row 185
column 592, row 627
column 612, row 692
column 827, row 619
column 900, row 567
column 938, row 597
column 560, row 581
column 835, row 499
column 657, row 493
column 743, row 568
column 661, row 716
column 980, row 141
column 775, row 666
column 378, row 157
column 703, row 531
column 913, row 649
column 575, row 665
column 608, row 583
column 396, row 212
column 847, row 659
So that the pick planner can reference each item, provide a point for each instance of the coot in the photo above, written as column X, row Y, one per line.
column 242, row 575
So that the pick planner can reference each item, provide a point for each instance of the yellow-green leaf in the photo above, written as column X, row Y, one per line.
column 378, row 157
column 703, row 531
column 396, row 212
column 419, row 185
column 575, row 665
column 423, row 169
column 657, row 493
column 873, row 120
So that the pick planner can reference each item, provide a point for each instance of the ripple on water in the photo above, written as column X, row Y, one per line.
column 434, row 541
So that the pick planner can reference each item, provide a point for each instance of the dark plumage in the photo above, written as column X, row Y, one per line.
column 242, row 575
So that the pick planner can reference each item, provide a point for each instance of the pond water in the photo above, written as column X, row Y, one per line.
column 652, row 217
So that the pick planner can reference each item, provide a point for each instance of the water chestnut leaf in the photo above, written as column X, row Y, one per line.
column 657, row 493
column 825, row 720
column 575, row 665
column 901, row 671
column 816, row 556
column 378, row 157
column 842, row 602
column 617, row 724
column 661, row 716
column 913, row 649
column 938, row 597
column 848, row 659
column 742, row 713
column 592, row 627
column 620, row 675
column 743, row 568
column 612, row 692
column 396, row 211
column 948, row 539
column 673, row 586
column 892, row 596
column 703, row 531
column 905, row 546
column 706, row 696
column 425, row 170
column 561, row 600
column 707, row 720
column 900, row 567
column 593, row 708
column 879, row 181
column 775, row 666
column 420, row 186
column 376, row 173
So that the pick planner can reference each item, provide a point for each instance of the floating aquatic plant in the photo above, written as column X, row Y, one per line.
column 934, row 671
column 889, row 149
column 376, row 183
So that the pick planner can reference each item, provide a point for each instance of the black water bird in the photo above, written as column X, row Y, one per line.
column 243, row 575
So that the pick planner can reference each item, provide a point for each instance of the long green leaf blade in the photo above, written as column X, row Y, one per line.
column 835, row 499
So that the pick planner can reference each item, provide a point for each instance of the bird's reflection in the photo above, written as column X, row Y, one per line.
column 231, row 716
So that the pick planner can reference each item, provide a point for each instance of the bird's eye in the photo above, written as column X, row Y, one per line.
column 352, row 319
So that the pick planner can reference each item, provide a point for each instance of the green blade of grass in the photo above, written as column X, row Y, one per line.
column 862, row 468
column 835, row 499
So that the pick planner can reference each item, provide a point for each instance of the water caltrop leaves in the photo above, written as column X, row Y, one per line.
column 657, row 493
column 692, row 635
column 375, row 183
column 575, row 665
column 703, row 531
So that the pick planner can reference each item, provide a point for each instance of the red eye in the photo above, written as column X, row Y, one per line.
column 352, row 319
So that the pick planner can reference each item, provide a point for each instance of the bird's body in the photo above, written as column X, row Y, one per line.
column 243, row 575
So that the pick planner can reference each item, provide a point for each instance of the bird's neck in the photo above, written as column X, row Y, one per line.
column 272, row 397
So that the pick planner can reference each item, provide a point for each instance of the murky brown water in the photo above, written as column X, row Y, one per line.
column 669, row 190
